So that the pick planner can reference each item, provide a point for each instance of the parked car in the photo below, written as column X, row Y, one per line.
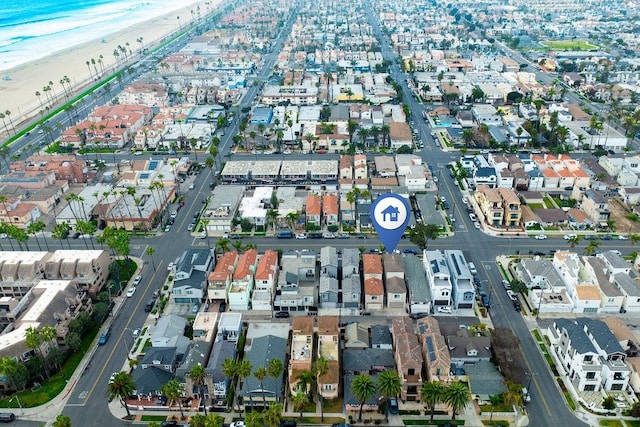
column 301, row 236
column 167, row 228
column 476, row 225
column 606, row 237
column 281, row 314
column 170, row 267
column 473, row 217
column 506, row 285
column 569, row 236
column 328, row 236
column 410, row 251
column 623, row 237
column 540, row 236
column 190, row 227
column 7, row 417
column 104, row 337
column 137, row 280
column 418, row 315
column 511, row 295
column 203, row 235
column 236, row 236
column 445, row 309
column 131, row 291
column 343, row 236
column 393, row 406
column 472, row 269
column 75, row 235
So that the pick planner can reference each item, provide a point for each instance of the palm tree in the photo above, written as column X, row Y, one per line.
column 363, row 388
column 320, row 368
column 50, row 334
column 222, row 245
column 591, row 248
column 457, row 396
column 272, row 414
column 173, row 390
column 513, row 395
column 260, row 374
column 150, row 251
column 121, row 387
column 300, row 400
column 634, row 238
column 389, row 386
column 432, row 393
column 574, row 240
column 197, row 375
column 272, row 216
column 303, row 382
column 253, row 419
column 33, row 341
column 60, row 231
column 34, row 228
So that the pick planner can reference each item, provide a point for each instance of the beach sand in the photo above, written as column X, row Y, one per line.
column 18, row 94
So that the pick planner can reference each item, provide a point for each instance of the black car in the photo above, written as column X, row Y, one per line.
column 418, row 315
column 314, row 235
column 410, row 251
column 170, row 423
column 222, row 307
column 281, row 315
column 75, row 235
column 539, row 253
column 517, row 306
column 606, row 237
column 590, row 237
column 236, row 236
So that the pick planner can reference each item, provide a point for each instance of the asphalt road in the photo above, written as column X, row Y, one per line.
column 87, row 405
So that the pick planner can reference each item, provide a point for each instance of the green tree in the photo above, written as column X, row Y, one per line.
column 121, row 387
column 513, row 395
column 33, row 341
column 609, row 403
column 422, row 233
column 197, row 420
column 150, row 251
column 173, row 390
column 432, row 393
column 363, row 388
column 62, row 421
column 389, row 386
column 34, row 228
column 253, row 419
column 574, row 240
column 260, row 374
column 457, row 396
column 591, row 248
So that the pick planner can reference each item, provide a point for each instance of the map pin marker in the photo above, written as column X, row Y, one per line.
column 390, row 215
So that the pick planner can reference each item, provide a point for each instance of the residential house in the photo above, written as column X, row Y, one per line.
column 241, row 287
column 408, row 357
column 328, row 349
column 373, row 285
column 216, row 382
column 266, row 278
column 351, row 285
column 356, row 336
column 154, row 370
column 589, row 354
column 371, row 361
column 490, row 204
column 438, row 277
column 594, row 271
column 313, row 209
column 219, row 279
column 360, row 168
column 381, row 337
column 258, row 351
column 330, row 209
column 301, row 351
column 418, row 288
column 596, row 206
column 346, row 168
column 461, row 279
column 468, row 349
column 168, row 331
column 435, row 351
column 297, row 281
column 190, row 278
column 394, row 280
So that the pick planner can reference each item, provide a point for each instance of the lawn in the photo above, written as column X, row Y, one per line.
column 535, row 206
column 426, row 422
column 332, row 406
column 153, row 418
column 632, row 423
column 58, row 381
column 569, row 45
column 611, row 423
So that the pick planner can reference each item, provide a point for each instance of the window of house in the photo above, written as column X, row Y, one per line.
column 588, row 358
column 411, row 371
column 374, row 297
column 590, row 375
column 396, row 296
column 328, row 387
column 590, row 387
column 616, row 386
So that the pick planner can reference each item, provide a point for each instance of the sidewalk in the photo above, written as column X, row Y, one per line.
column 47, row 413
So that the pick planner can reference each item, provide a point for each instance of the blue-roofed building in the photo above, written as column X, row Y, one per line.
column 216, row 383
column 261, row 115
column 589, row 354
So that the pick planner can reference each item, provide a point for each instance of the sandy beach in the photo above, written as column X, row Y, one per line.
column 18, row 86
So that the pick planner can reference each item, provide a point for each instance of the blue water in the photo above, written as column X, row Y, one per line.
column 33, row 29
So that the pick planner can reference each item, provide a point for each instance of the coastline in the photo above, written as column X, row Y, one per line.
column 18, row 93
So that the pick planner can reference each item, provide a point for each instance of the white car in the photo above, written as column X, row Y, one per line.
column 192, row 186
column 623, row 237
column 465, row 201
column 511, row 295
column 4, row 236
column 541, row 236
column 506, row 285
column 174, row 214
column 473, row 217
column 137, row 280
column 569, row 236
column 190, row 227
column 138, row 153
column 443, row 199
column 328, row 236
column 445, row 309
column 435, row 179
column 170, row 267
column 301, row 236
column 113, row 377
column 203, row 235
column 237, row 424
column 131, row 291
column 476, row 225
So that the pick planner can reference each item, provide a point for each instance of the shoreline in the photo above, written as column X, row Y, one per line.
column 18, row 93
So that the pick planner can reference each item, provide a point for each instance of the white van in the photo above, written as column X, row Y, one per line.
column 472, row 269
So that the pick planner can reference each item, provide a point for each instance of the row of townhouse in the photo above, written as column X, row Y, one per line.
column 571, row 283
column 449, row 279
column 322, row 210
column 499, row 207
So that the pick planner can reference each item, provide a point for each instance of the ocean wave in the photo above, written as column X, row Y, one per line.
column 64, row 28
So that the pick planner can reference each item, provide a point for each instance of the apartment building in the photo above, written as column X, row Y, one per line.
column 500, row 207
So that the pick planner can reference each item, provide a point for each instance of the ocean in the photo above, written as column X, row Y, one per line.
column 33, row 29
